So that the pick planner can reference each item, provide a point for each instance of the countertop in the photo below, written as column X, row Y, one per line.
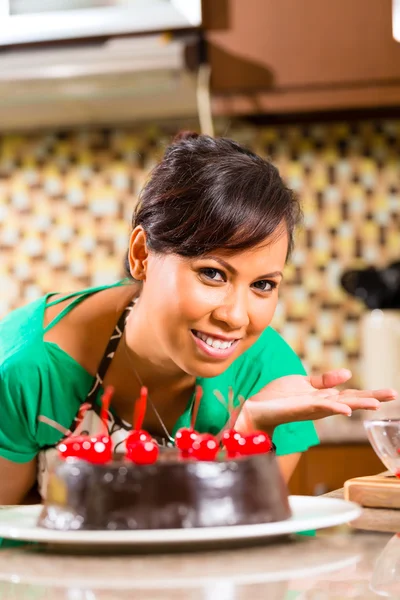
column 337, row 563
column 384, row 520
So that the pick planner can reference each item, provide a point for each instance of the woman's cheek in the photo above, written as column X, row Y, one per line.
column 200, row 299
column 263, row 312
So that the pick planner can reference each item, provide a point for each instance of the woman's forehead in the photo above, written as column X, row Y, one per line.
column 271, row 247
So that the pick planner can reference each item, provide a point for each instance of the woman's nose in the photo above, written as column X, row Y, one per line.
column 233, row 311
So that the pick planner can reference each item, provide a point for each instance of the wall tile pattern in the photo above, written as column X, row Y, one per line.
column 66, row 201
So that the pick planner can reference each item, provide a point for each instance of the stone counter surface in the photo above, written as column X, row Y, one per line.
column 336, row 564
column 357, row 561
column 374, row 519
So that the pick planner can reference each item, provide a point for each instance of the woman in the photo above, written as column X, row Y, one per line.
column 210, row 238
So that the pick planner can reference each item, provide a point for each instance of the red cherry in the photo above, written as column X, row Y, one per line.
column 100, row 451
column 205, row 447
column 257, row 442
column 143, row 452
column 137, row 435
column 70, row 447
column 94, row 449
column 230, row 439
column 184, row 440
column 398, row 475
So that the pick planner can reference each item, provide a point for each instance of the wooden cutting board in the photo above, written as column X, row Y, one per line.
column 377, row 491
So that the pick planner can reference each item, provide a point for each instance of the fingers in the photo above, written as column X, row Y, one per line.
column 360, row 403
column 293, row 408
column 383, row 395
column 318, row 404
column 330, row 378
column 329, row 408
column 347, row 404
column 327, row 392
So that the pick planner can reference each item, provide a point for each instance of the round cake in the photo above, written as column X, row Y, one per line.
column 169, row 494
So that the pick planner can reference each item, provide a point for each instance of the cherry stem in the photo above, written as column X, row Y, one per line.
column 246, row 417
column 233, row 414
column 231, row 398
column 234, row 417
column 220, row 397
column 105, row 405
column 196, row 404
column 140, row 409
column 82, row 411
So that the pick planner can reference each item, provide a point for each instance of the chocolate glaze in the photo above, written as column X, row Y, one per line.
column 170, row 494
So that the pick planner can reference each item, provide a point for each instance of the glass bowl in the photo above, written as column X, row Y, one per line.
column 384, row 436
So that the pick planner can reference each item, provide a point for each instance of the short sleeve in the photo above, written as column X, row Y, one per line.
column 274, row 358
column 295, row 437
column 18, row 397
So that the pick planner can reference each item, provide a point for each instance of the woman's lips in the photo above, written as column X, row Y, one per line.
column 221, row 353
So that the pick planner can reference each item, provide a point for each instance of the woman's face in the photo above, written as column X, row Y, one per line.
column 200, row 314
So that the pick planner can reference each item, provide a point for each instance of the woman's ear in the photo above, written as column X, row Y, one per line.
column 138, row 254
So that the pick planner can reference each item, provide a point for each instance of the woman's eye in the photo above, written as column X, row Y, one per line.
column 264, row 285
column 212, row 274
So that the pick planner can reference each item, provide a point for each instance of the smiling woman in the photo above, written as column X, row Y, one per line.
column 210, row 238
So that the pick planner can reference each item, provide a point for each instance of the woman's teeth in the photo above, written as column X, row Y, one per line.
column 218, row 344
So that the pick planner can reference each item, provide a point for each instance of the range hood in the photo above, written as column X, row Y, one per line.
column 97, row 62
column 114, row 81
column 31, row 21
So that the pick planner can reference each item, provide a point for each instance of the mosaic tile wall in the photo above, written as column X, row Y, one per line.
column 66, row 201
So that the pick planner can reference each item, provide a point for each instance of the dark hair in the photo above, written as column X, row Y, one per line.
column 210, row 193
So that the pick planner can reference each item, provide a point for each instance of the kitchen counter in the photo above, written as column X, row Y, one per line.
column 338, row 563
column 374, row 519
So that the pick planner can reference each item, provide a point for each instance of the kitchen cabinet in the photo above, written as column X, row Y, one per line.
column 326, row 467
column 290, row 56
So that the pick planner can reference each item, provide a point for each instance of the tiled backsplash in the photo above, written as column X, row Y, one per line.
column 66, row 201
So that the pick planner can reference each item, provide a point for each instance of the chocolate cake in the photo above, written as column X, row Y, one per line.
column 172, row 493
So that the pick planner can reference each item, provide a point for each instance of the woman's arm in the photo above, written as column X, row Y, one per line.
column 288, row 464
column 16, row 479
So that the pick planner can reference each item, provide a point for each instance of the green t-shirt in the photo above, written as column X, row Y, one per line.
column 41, row 384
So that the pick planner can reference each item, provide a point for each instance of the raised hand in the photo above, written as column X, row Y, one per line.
column 302, row 398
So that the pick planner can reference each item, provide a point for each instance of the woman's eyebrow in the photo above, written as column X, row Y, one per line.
column 232, row 269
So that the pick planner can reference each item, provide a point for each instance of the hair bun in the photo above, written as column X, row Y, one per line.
column 182, row 136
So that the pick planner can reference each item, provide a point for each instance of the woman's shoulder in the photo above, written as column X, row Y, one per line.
column 23, row 338
column 270, row 353
column 33, row 378
column 21, row 333
column 269, row 358
column 23, row 360
column 28, row 389
column 270, row 344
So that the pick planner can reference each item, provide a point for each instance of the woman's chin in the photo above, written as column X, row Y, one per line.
column 207, row 370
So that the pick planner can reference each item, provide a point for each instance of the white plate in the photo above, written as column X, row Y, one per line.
column 20, row 523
